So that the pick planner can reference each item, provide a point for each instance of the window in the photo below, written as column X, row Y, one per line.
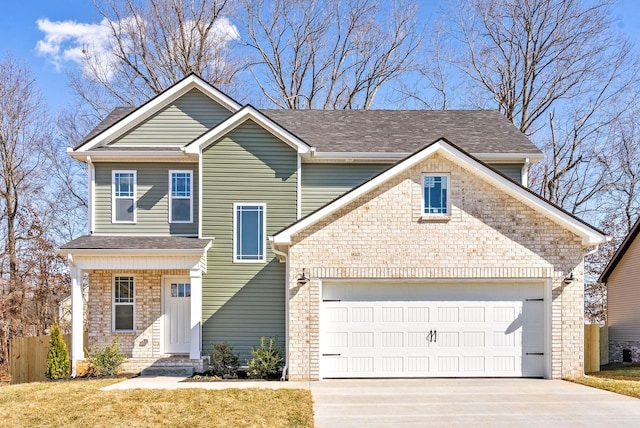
column 123, row 303
column 249, row 231
column 180, row 197
column 124, row 200
column 435, row 195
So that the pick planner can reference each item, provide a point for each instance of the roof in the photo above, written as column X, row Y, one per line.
column 111, row 119
column 620, row 252
column 388, row 131
column 589, row 234
column 141, row 243
column 475, row 131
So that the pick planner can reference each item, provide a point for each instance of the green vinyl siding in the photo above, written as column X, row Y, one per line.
column 243, row 301
column 511, row 170
column 323, row 182
column 152, row 201
column 177, row 124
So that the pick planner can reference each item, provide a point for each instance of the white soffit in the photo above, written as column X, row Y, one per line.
column 159, row 102
column 246, row 113
column 589, row 235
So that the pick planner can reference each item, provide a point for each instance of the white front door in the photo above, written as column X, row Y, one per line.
column 177, row 315
column 432, row 330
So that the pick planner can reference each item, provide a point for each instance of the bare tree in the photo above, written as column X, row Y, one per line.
column 152, row 44
column 28, row 258
column 329, row 54
column 528, row 55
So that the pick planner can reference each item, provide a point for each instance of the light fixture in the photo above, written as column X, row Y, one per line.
column 303, row 278
column 569, row 279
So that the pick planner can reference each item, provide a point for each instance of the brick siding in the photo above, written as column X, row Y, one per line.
column 489, row 235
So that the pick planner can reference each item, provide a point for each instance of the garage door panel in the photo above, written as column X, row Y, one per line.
column 410, row 337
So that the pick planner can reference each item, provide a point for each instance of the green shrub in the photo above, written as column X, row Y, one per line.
column 224, row 362
column 58, row 365
column 105, row 362
column 267, row 360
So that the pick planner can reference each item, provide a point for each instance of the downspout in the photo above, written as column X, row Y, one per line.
column 286, row 309
column 92, row 173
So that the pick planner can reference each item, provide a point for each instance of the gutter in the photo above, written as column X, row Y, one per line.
column 286, row 308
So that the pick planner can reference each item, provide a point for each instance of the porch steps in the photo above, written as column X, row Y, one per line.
column 168, row 366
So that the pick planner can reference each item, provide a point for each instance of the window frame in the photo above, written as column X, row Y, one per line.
column 114, row 304
column 171, row 197
column 446, row 214
column 237, row 205
column 114, row 198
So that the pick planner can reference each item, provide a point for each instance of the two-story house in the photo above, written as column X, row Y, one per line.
column 370, row 243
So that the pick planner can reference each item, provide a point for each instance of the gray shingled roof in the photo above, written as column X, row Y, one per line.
column 111, row 119
column 136, row 243
column 388, row 131
column 406, row 131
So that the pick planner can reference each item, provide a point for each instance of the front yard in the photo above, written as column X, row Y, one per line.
column 81, row 403
column 620, row 378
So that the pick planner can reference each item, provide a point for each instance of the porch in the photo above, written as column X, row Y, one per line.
column 146, row 292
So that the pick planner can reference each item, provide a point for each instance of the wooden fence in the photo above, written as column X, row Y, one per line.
column 28, row 356
column 596, row 347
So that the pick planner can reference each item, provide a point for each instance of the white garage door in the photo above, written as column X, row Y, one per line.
column 429, row 330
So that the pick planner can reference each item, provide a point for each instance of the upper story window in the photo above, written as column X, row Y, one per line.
column 249, row 230
column 123, row 303
column 435, row 195
column 180, row 197
column 124, row 197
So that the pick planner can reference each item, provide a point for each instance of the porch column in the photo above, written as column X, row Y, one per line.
column 77, row 318
column 196, row 312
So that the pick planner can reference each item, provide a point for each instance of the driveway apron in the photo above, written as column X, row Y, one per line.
column 469, row 403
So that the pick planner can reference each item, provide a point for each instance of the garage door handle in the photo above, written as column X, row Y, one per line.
column 331, row 355
column 331, row 300
column 535, row 353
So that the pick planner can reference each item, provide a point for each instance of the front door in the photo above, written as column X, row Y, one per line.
column 177, row 315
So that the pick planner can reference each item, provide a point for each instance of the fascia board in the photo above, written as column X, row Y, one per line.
column 246, row 113
column 589, row 235
column 157, row 103
column 132, row 253
column 285, row 236
column 138, row 156
column 381, row 156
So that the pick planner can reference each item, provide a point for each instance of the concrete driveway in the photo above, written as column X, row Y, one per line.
column 469, row 403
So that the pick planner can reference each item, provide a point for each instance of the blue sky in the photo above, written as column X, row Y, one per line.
column 19, row 35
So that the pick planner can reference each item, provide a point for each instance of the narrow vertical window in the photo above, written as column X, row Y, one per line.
column 123, row 303
column 249, row 230
column 180, row 197
column 435, row 195
column 124, row 200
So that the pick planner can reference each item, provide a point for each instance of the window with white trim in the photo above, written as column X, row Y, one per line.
column 124, row 197
column 249, row 230
column 180, row 196
column 123, row 303
column 435, row 195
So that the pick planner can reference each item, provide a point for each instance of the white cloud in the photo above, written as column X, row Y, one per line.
column 68, row 40
column 91, row 45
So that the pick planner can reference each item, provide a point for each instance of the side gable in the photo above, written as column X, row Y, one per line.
column 589, row 235
column 176, row 125
column 247, row 113
column 620, row 252
column 156, row 105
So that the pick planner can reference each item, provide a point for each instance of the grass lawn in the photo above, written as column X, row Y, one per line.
column 81, row 403
column 620, row 378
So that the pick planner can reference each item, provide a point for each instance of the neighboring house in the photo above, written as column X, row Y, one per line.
column 370, row 243
column 622, row 276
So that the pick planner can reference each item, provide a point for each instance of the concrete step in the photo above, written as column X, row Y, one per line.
column 186, row 371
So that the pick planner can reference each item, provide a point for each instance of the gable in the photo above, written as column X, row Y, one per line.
column 487, row 229
column 177, row 124
column 590, row 236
